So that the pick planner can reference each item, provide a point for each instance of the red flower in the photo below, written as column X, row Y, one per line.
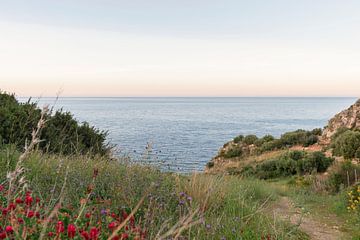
column 20, row 220
column 37, row 214
column 5, row 211
column 2, row 235
column 116, row 238
column 50, row 234
column 85, row 235
column 12, row 206
column 60, row 227
column 1, row 188
column 88, row 215
column 19, row 201
column 124, row 215
column 71, row 230
column 124, row 236
column 28, row 200
column 37, row 199
column 9, row 229
column 30, row 214
column 94, row 233
column 112, row 226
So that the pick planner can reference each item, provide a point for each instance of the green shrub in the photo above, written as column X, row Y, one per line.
column 347, row 144
column 265, row 139
column 233, row 152
column 238, row 139
column 250, row 139
column 292, row 163
column 61, row 134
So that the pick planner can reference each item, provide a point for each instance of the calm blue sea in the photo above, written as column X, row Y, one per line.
column 185, row 133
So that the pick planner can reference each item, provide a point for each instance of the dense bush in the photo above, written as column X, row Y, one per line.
column 238, row 139
column 62, row 133
column 293, row 162
column 233, row 152
column 299, row 137
column 250, row 139
column 346, row 143
column 265, row 139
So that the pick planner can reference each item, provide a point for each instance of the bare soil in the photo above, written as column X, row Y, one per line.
column 317, row 230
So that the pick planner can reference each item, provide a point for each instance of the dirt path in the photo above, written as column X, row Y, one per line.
column 285, row 209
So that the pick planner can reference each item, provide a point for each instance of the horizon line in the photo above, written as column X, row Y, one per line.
column 90, row 96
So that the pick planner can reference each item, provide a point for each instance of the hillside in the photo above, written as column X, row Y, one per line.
column 248, row 150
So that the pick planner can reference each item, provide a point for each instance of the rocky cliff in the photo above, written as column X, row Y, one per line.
column 349, row 118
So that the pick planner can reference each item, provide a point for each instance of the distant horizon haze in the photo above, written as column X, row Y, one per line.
column 172, row 48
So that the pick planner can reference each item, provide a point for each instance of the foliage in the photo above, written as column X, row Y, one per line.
column 62, row 133
column 233, row 152
column 292, row 163
column 354, row 199
column 250, row 139
column 345, row 175
column 299, row 137
column 346, row 143
column 231, row 207
column 238, row 139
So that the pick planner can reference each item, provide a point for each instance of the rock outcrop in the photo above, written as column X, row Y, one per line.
column 349, row 118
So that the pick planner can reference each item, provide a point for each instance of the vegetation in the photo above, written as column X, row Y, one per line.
column 292, row 163
column 68, row 187
column 82, row 196
column 241, row 146
column 346, row 143
column 61, row 134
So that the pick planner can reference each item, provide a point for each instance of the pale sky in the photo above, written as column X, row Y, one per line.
column 180, row 48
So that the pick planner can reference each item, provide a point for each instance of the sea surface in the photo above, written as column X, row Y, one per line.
column 183, row 134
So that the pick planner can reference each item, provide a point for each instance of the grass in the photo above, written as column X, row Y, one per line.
column 163, row 204
column 328, row 208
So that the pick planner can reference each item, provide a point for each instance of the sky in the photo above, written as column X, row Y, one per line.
column 180, row 48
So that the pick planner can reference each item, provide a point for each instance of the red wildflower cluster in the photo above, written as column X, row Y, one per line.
column 24, row 218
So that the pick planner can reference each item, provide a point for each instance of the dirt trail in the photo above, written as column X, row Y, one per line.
column 285, row 209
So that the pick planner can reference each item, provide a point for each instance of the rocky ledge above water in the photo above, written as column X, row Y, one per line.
column 237, row 153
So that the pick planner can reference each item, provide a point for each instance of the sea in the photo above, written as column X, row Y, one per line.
column 183, row 134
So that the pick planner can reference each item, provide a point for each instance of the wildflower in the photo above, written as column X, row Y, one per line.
column 94, row 233
column 2, row 235
column 50, row 234
column 20, row 220
column 5, row 211
column 85, row 235
column 124, row 215
column 28, row 200
column 103, row 212
column 30, row 214
column 60, row 227
column 37, row 214
column 124, row 236
column 9, row 229
column 12, row 206
column 112, row 226
column 71, row 230
column 19, row 201
column 1, row 188
column 88, row 215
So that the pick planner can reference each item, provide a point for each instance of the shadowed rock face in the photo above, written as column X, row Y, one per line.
column 349, row 118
